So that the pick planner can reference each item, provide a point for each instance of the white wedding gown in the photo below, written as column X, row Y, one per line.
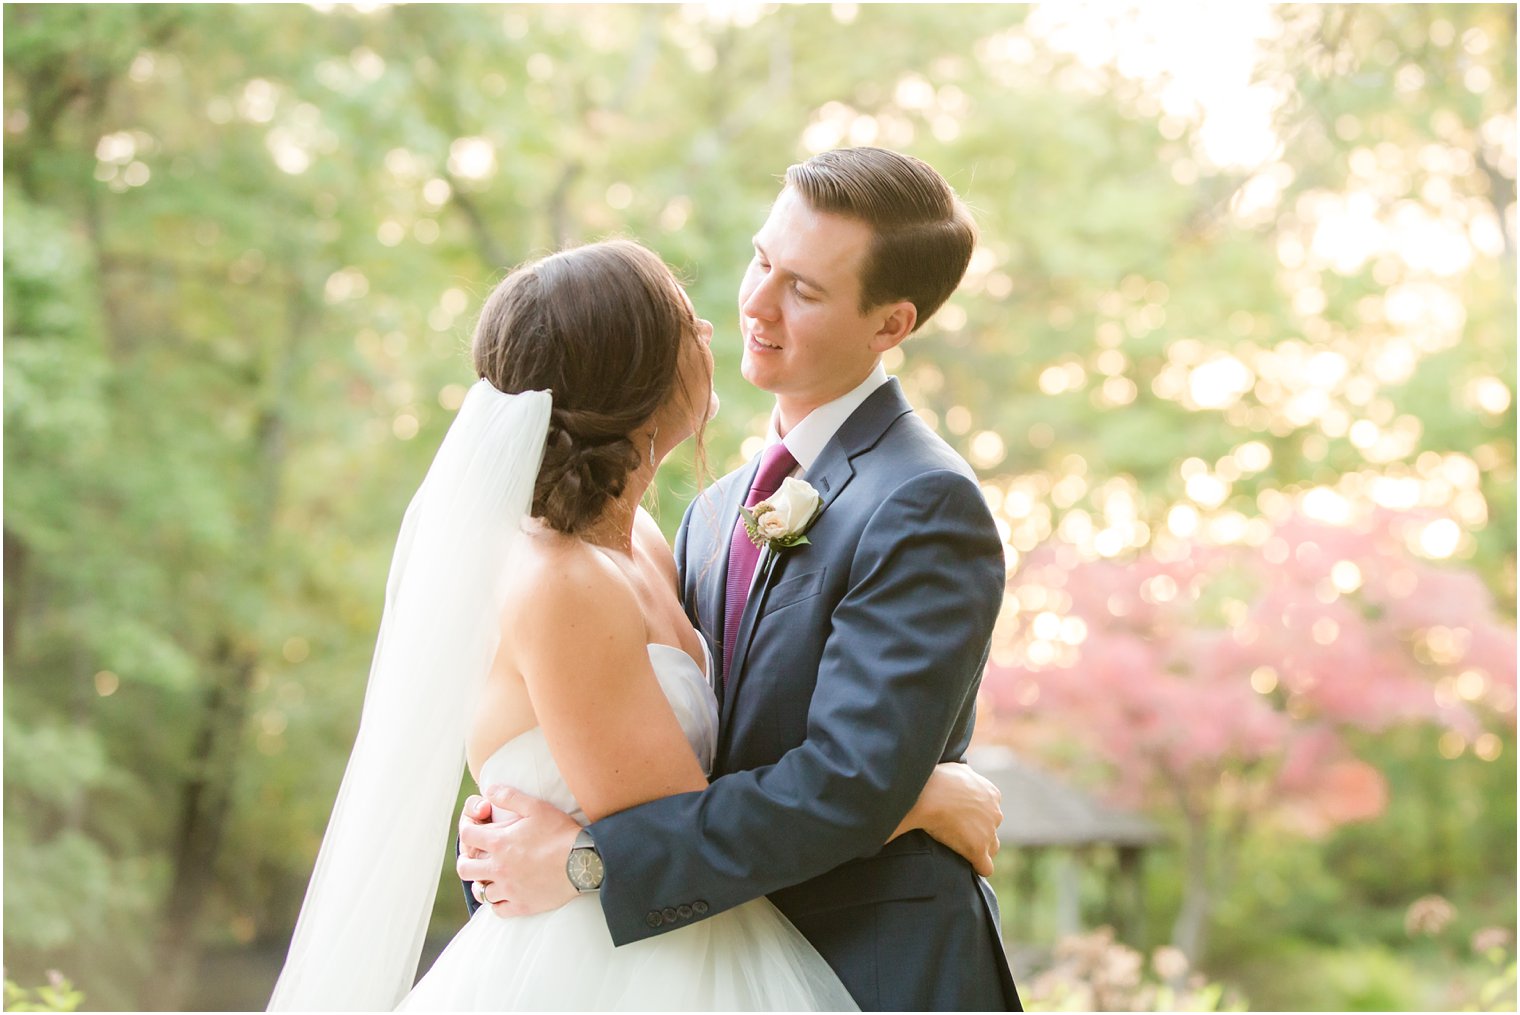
column 746, row 959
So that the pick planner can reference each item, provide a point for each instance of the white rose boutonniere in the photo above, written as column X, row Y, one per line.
column 781, row 521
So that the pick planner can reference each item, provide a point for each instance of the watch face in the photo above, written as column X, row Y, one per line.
column 585, row 869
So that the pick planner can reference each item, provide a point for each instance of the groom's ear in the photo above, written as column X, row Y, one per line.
column 896, row 325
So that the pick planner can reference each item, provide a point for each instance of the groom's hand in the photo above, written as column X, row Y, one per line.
column 519, row 858
column 477, row 811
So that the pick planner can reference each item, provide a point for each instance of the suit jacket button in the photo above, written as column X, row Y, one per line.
column 669, row 914
column 699, row 907
column 684, row 912
column 654, row 919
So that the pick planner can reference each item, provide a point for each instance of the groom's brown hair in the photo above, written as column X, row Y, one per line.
column 922, row 233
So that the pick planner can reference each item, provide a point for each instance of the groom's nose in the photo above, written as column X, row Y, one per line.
column 761, row 303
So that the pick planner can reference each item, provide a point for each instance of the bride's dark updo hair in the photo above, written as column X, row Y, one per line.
column 601, row 326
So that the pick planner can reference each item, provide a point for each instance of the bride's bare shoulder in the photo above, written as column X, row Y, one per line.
column 559, row 583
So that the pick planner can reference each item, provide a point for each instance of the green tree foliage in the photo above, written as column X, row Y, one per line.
column 243, row 250
column 58, row 994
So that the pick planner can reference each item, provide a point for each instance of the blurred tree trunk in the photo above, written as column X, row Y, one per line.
column 17, row 557
column 204, row 802
column 1190, row 928
column 207, row 793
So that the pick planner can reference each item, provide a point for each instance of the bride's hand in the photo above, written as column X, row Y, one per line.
column 519, row 861
column 961, row 809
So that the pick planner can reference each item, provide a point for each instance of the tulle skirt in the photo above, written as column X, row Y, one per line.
column 746, row 959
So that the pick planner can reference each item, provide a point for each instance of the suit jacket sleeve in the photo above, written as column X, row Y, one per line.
column 909, row 641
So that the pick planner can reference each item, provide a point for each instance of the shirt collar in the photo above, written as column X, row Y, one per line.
column 808, row 438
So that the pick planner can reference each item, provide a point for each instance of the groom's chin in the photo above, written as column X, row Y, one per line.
column 751, row 372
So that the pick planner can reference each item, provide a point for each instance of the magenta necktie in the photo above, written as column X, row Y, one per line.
column 776, row 464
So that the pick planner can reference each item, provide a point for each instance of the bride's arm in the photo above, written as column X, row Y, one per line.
column 960, row 808
column 580, row 642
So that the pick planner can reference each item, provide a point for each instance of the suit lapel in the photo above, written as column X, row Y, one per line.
column 830, row 474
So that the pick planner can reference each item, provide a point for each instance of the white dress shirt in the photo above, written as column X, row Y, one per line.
column 808, row 438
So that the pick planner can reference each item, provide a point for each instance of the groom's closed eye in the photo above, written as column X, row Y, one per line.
column 813, row 292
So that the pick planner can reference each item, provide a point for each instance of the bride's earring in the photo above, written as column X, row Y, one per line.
column 651, row 445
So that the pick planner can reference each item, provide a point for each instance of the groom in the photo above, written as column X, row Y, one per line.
column 846, row 666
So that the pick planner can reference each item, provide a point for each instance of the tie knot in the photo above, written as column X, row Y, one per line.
column 775, row 465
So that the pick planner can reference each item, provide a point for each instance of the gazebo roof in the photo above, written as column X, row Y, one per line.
column 1041, row 810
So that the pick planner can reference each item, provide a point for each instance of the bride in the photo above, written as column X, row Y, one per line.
column 532, row 630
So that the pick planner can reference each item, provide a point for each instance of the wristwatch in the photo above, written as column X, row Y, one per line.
column 584, row 864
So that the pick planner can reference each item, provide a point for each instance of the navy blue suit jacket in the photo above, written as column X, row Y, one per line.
column 855, row 672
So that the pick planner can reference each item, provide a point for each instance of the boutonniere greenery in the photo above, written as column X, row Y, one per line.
column 781, row 521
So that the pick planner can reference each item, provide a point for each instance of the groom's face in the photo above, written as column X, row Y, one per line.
column 805, row 338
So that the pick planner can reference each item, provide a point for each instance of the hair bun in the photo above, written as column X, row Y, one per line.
column 584, row 467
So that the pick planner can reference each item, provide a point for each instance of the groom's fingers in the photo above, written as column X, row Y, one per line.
column 472, row 869
column 481, row 851
column 477, row 811
column 474, row 852
column 501, row 907
column 505, row 798
column 984, row 864
column 471, row 835
column 507, row 908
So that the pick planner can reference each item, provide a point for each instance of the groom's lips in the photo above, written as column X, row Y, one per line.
column 758, row 344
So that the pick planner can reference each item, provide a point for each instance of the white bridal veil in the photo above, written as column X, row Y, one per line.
column 360, row 933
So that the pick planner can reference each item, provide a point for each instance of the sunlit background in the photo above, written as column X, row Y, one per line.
column 1235, row 361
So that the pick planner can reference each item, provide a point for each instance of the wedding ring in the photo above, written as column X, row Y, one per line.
column 480, row 893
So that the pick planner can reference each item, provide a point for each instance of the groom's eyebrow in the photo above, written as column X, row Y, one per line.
column 810, row 283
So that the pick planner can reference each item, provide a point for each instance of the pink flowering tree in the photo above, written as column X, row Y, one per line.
column 1216, row 684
